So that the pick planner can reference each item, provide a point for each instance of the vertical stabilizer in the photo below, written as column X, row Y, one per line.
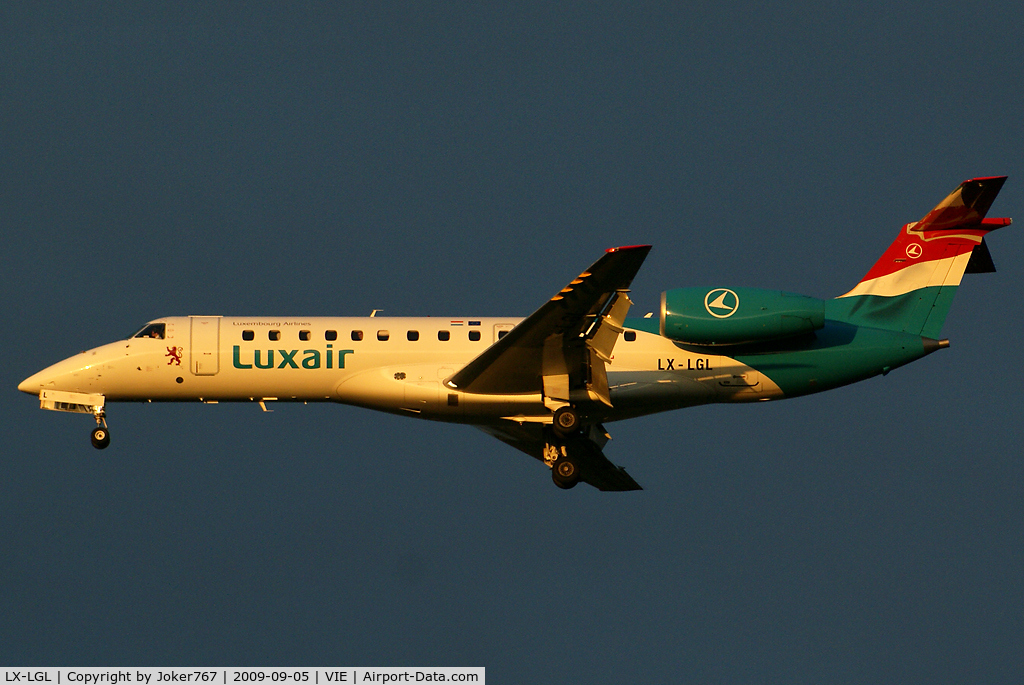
column 911, row 287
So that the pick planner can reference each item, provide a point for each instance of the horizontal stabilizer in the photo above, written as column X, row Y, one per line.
column 965, row 206
column 981, row 260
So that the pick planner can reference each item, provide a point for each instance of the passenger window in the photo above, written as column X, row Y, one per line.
column 474, row 335
column 444, row 335
column 382, row 335
column 331, row 335
column 303, row 335
column 629, row 336
column 502, row 334
column 274, row 335
column 357, row 335
column 413, row 335
column 248, row 335
column 153, row 330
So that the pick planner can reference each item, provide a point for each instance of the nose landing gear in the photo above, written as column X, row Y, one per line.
column 100, row 438
column 100, row 434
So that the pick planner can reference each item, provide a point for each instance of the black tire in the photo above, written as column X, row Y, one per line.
column 100, row 438
column 566, row 421
column 565, row 472
column 566, row 486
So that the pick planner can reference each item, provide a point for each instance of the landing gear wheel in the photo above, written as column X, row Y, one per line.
column 566, row 473
column 100, row 437
column 566, row 421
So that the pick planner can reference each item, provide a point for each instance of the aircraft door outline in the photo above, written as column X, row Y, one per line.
column 204, row 349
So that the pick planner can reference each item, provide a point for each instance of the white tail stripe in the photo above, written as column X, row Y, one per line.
column 948, row 271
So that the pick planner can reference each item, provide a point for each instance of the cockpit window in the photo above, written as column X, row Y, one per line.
column 153, row 330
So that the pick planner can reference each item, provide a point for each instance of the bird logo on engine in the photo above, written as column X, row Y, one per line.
column 721, row 303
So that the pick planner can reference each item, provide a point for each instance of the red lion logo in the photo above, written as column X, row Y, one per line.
column 175, row 354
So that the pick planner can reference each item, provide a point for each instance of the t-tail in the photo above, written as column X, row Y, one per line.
column 911, row 287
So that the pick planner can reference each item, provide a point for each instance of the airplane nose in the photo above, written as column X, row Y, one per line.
column 74, row 374
column 35, row 383
column 32, row 385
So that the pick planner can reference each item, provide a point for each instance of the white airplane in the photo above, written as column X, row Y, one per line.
column 546, row 384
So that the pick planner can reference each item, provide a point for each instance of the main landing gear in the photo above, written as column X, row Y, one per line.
column 560, row 448
column 566, row 421
column 100, row 434
column 572, row 447
column 565, row 472
column 565, row 467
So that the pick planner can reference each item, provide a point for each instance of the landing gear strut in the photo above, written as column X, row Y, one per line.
column 100, row 435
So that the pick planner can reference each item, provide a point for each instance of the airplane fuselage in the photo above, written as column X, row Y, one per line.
column 400, row 365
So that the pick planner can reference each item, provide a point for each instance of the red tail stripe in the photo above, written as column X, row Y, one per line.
column 912, row 248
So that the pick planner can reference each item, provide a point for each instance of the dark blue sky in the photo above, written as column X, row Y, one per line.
column 456, row 160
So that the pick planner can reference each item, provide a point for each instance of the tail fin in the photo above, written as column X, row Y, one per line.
column 911, row 287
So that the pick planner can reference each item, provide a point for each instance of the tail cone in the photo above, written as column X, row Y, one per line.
column 930, row 344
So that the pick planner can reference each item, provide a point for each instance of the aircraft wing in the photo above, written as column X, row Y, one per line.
column 595, row 469
column 563, row 345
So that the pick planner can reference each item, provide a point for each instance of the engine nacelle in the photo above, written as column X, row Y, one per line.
column 732, row 316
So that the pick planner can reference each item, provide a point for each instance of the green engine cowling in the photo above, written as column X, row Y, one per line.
column 732, row 316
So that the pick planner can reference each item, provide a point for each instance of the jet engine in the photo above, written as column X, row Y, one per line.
column 733, row 316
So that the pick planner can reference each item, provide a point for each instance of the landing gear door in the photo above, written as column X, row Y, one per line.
column 205, row 345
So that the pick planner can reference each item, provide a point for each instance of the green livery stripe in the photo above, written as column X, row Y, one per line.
column 940, row 308
column 836, row 355
column 921, row 311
